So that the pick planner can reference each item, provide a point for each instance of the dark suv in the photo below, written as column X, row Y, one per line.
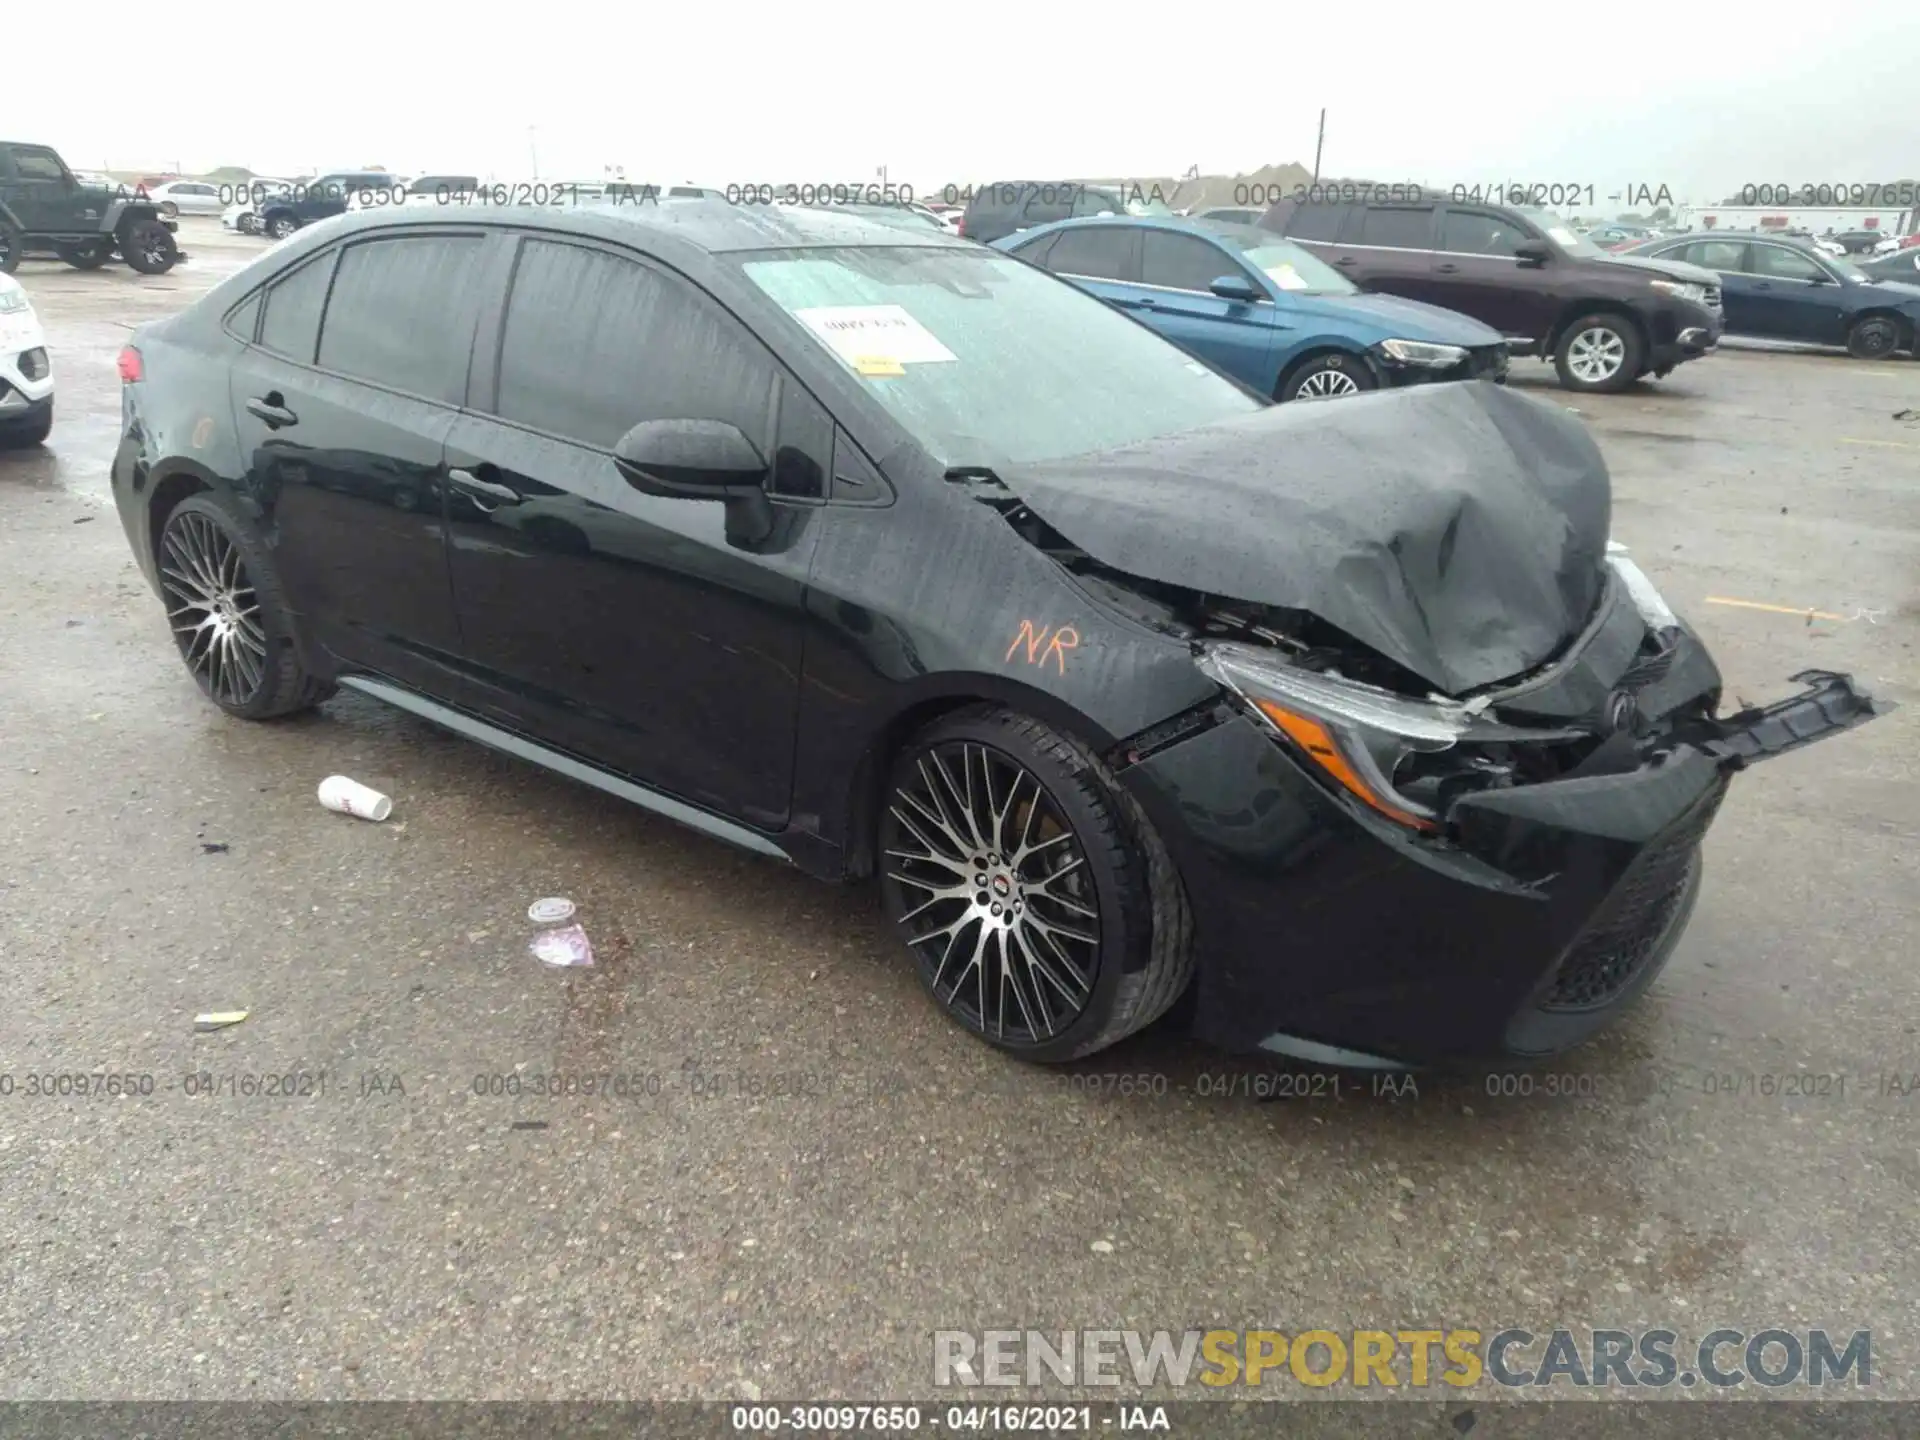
column 285, row 209
column 1005, row 206
column 1604, row 320
column 44, row 208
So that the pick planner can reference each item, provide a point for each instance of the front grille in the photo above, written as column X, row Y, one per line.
column 33, row 364
column 1487, row 363
column 1620, row 939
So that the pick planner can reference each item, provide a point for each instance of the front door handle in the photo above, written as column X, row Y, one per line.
column 483, row 490
column 270, row 408
column 1348, row 261
column 1449, row 268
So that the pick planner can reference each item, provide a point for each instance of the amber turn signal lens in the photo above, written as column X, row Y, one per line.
column 1311, row 736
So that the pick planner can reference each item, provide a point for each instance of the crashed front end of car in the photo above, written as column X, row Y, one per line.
column 1450, row 799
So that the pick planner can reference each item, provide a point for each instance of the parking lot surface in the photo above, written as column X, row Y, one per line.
column 806, row 1170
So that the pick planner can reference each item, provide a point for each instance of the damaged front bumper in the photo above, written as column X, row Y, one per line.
column 1329, row 934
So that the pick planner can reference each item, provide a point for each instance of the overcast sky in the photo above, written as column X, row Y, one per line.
column 1584, row 93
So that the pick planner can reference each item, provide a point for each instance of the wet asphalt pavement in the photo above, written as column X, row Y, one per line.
column 811, row 1170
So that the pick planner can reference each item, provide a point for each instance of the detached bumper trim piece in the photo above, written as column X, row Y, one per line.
column 1831, row 702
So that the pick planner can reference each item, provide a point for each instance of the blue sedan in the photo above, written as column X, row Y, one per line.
column 1260, row 308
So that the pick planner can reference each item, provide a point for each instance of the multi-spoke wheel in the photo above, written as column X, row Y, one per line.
column 227, row 615
column 1040, row 908
column 1327, row 377
column 1600, row 352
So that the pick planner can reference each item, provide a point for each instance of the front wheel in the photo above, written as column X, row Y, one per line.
column 229, row 616
column 148, row 247
column 1599, row 353
column 1039, row 906
column 1328, row 377
column 1873, row 337
column 281, row 226
column 169, row 209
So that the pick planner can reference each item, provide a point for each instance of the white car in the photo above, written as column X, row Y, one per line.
column 187, row 197
column 243, row 215
column 26, row 375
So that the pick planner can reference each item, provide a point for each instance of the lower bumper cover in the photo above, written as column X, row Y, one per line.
column 1325, row 932
column 27, row 415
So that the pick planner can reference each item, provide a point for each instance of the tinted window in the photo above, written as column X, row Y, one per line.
column 1098, row 202
column 595, row 343
column 37, row 165
column 1181, row 262
column 805, row 447
column 1479, row 232
column 1100, row 252
column 1036, row 252
column 1049, row 202
column 243, row 320
column 1784, row 264
column 1400, row 229
column 1713, row 254
column 292, row 325
column 394, row 317
column 1316, row 222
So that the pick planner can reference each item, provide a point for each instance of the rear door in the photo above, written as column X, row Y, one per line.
column 1476, row 272
column 1388, row 248
column 1176, row 272
column 1103, row 260
column 342, row 403
column 1793, row 297
column 653, row 636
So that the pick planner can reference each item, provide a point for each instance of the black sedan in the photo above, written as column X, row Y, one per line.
column 1781, row 289
column 883, row 553
column 1901, row 266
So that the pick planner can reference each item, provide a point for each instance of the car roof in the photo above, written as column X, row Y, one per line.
column 711, row 226
column 1179, row 224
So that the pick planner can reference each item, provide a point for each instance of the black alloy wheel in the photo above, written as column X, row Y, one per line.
column 1040, row 909
column 148, row 247
column 1873, row 337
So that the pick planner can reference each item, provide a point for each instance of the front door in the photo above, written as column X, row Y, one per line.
column 343, row 404
column 1477, row 272
column 1176, row 272
column 657, row 637
column 1793, row 297
column 41, row 192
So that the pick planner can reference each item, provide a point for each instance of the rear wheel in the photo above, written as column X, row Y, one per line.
column 1599, row 353
column 90, row 256
column 10, row 243
column 1873, row 337
column 1040, row 907
column 229, row 615
column 148, row 247
column 1327, row 377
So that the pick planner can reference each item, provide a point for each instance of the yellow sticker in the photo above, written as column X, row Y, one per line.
column 878, row 365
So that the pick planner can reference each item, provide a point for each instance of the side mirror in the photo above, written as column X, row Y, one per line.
column 1236, row 287
column 1820, row 277
column 690, row 460
column 1533, row 252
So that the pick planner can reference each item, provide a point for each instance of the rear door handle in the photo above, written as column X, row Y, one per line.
column 480, row 489
column 268, row 408
column 1347, row 260
column 1449, row 268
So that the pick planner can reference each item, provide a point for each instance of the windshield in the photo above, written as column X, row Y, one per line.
column 1847, row 269
column 987, row 360
column 1563, row 235
column 1293, row 268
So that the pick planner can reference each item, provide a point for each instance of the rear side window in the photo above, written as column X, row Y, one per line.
column 1480, row 232
column 1180, row 262
column 1713, row 254
column 1051, row 202
column 292, row 324
column 595, row 343
column 1099, row 252
column 1098, row 202
column 1316, row 222
column 394, row 317
column 1036, row 252
column 1399, row 229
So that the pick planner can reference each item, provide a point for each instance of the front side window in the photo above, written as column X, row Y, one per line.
column 1784, row 264
column 1480, row 232
column 394, row 314
column 1181, row 262
column 292, row 324
column 595, row 343
column 985, row 360
column 1397, row 229
column 38, row 165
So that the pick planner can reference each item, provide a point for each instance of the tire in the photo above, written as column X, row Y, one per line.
column 148, row 247
column 169, row 210
column 1327, row 377
column 87, row 257
column 1093, row 939
column 229, row 615
column 248, row 224
column 1874, row 337
column 10, row 247
column 25, row 437
column 279, row 227
column 1599, row 354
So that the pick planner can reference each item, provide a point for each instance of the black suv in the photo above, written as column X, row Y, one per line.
column 44, row 209
column 286, row 208
column 1005, row 206
column 1603, row 319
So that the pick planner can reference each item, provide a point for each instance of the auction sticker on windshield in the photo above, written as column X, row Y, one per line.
column 1286, row 277
column 874, row 338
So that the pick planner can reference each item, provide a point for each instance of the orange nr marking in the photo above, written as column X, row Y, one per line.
column 1043, row 643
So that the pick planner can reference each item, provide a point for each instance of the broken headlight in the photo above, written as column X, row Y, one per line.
column 1403, row 758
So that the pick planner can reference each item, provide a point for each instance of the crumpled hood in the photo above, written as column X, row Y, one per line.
column 1459, row 529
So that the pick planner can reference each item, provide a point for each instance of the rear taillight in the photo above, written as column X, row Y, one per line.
column 130, row 367
column 960, row 227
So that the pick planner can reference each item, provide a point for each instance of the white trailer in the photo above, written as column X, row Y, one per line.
column 1814, row 219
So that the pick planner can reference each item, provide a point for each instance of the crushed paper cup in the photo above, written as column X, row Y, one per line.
column 564, row 947
column 350, row 797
